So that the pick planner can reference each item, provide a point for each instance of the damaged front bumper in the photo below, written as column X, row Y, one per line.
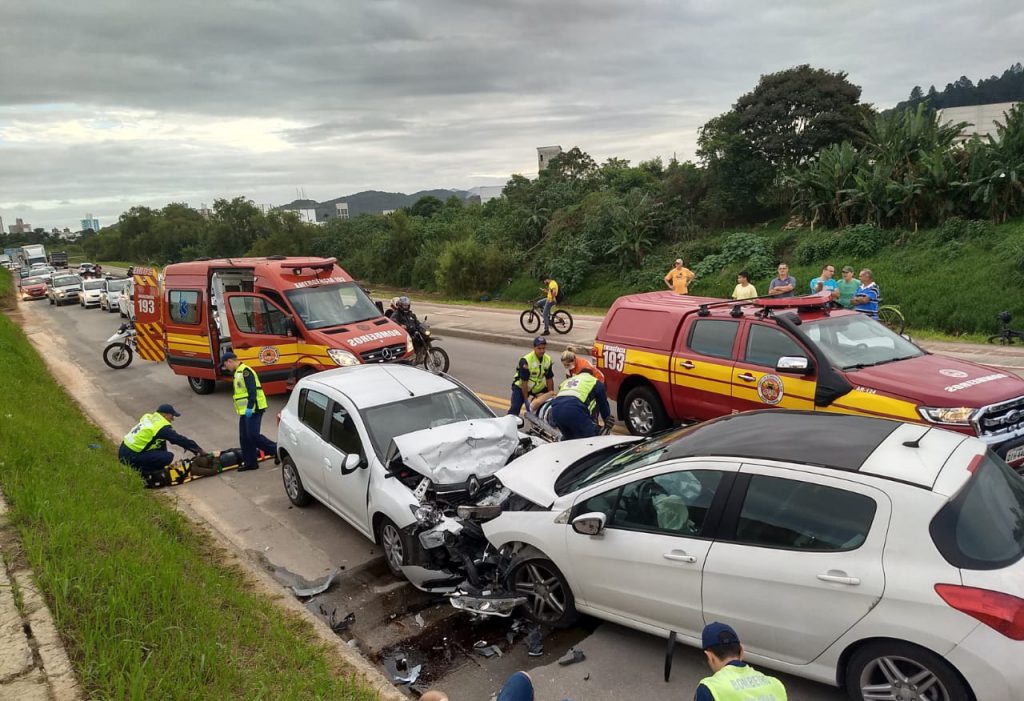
column 486, row 603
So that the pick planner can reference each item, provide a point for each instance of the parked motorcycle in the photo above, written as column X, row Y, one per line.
column 431, row 357
column 121, row 347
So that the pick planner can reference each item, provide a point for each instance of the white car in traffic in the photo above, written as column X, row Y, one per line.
column 371, row 442
column 111, row 293
column 90, row 293
column 875, row 555
column 126, row 300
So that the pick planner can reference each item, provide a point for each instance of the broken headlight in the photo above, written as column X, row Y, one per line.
column 425, row 514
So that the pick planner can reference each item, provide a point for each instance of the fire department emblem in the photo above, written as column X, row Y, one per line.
column 770, row 389
column 269, row 355
column 959, row 374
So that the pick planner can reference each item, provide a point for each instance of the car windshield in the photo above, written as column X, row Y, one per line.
column 67, row 280
column 332, row 305
column 853, row 341
column 33, row 281
column 586, row 472
column 94, row 284
column 386, row 421
column 116, row 285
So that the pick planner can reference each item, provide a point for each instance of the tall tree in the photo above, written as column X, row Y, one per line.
column 793, row 114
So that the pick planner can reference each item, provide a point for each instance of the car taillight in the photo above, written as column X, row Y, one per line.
column 1001, row 612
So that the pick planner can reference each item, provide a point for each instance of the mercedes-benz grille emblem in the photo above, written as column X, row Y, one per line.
column 385, row 353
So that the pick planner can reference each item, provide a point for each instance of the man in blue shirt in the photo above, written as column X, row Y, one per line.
column 732, row 679
column 826, row 281
column 866, row 299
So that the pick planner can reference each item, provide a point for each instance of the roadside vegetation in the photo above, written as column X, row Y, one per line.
column 797, row 170
column 144, row 601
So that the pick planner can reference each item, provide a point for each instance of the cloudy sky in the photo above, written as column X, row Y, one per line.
column 105, row 104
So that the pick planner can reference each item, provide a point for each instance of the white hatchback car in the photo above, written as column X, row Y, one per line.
column 111, row 294
column 874, row 555
column 371, row 442
column 90, row 293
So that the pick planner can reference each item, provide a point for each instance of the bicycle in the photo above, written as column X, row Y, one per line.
column 531, row 319
column 891, row 317
column 1006, row 335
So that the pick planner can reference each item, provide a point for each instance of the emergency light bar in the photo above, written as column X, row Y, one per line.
column 297, row 266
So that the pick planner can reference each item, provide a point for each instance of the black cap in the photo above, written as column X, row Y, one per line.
column 167, row 409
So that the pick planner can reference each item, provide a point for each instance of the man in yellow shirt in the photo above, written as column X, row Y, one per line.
column 550, row 289
column 679, row 278
column 743, row 289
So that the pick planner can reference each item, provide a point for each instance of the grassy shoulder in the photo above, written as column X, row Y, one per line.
column 143, row 599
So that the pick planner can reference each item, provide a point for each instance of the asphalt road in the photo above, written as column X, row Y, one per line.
column 251, row 510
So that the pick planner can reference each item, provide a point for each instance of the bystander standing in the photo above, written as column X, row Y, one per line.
column 825, row 281
column 784, row 284
column 743, row 289
column 866, row 299
column 847, row 288
column 679, row 278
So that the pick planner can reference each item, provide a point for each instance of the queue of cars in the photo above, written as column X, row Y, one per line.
column 82, row 285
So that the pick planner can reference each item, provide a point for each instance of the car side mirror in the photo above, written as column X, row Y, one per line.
column 794, row 364
column 380, row 306
column 351, row 462
column 589, row 524
column 289, row 326
column 520, row 421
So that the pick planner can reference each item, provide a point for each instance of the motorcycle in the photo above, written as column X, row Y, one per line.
column 431, row 357
column 121, row 347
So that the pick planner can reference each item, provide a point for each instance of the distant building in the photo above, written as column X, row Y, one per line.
column 19, row 227
column 981, row 119
column 490, row 192
column 544, row 156
column 204, row 211
column 342, row 210
column 1, row 225
column 90, row 223
column 384, row 212
column 306, row 215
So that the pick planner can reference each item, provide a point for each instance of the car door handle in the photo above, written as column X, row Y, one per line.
column 839, row 577
column 686, row 364
column 679, row 556
column 746, row 377
column 327, row 463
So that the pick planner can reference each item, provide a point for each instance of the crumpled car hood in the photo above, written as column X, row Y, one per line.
column 451, row 454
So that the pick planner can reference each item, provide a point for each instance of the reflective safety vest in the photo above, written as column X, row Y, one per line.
column 735, row 683
column 538, row 369
column 578, row 386
column 140, row 437
column 242, row 393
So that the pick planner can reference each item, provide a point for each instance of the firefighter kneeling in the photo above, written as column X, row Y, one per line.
column 145, row 446
column 573, row 406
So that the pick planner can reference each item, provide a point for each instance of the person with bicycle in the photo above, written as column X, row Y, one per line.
column 144, row 448
column 866, row 298
column 550, row 289
column 534, row 376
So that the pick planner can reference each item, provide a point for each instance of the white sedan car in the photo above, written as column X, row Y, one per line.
column 90, row 293
column 882, row 557
column 372, row 442
column 111, row 293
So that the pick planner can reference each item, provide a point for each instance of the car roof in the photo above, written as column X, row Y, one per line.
column 910, row 453
column 373, row 385
column 808, row 306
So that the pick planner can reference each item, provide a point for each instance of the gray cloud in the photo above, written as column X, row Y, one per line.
column 395, row 94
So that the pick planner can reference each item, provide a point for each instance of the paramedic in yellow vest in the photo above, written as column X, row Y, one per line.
column 250, row 405
column 534, row 375
column 145, row 446
column 732, row 678
column 573, row 406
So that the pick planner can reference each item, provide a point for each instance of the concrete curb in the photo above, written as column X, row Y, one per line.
column 33, row 661
column 70, row 375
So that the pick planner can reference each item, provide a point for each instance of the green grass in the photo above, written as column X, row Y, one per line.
column 143, row 599
column 116, row 263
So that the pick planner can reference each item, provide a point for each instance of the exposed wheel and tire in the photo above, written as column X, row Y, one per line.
column 117, row 355
column 896, row 670
column 530, row 321
column 549, row 599
column 201, row 385
column 561, row 321
column 644, row 413
column 297, row 494
column 1001, row 339
column 436, row 360
column 390, row 539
